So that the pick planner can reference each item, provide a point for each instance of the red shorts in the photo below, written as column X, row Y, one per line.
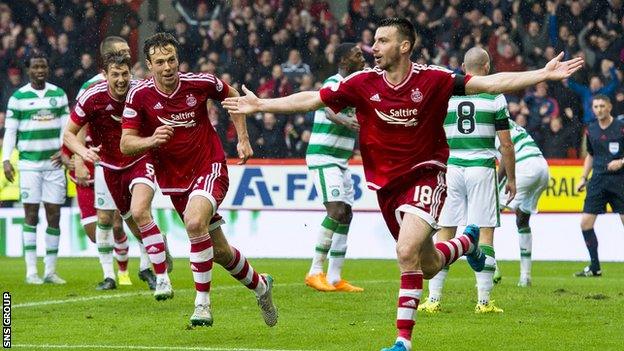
column 213, row 185
column 422, row 193
column 120, row 182
column 86, row 200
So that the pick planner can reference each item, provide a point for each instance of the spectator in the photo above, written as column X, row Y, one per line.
column 277, row 86
column 556, row 140
column 295, row 68
column 596, row 86
column 542, row 109
column 272, row 141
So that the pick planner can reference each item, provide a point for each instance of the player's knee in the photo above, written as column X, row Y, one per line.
column 341, row 213
column 195, row 225
column 407, row 254
column 31, row 219
column 141, row 215
column 105, row 217
column 586, row 225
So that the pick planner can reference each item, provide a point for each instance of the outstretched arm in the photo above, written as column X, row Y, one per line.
column 250, row 103
column 513, row 81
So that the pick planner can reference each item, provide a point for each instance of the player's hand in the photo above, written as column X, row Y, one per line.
column 510, row 191
column 558, row 70
column 91, row 155
column 581, row 185
column 9, row 172
column 244, row 151
column 57, row 159
column 615, row 165
column 68, row 161
column 246, row 104
column 351, row 123
column 82, row 174
column 161, row 135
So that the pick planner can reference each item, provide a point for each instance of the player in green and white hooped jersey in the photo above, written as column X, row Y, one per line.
column 531, row 180
column 36, row 114
column 331, row 145
column 472, row 124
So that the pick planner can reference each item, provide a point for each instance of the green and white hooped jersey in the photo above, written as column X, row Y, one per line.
column 95, row 79
column 39, row 117
column 524, row 146
column 330, row 143
column 470, row 127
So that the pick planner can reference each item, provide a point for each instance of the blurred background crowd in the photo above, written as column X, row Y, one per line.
column 277, row 47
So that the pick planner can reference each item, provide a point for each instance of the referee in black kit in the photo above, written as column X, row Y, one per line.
column 605, row 154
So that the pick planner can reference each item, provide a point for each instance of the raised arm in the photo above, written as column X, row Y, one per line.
column 250, row 103
column 513, row 81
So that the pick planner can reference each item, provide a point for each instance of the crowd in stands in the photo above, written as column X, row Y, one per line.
column 277, row 47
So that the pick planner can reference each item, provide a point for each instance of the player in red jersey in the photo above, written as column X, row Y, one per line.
column 167, row 115
column 82, row 174
column 400, row 107
column 116, row 175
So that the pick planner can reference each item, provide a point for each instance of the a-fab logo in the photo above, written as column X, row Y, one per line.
column 182, row 119
column 404, row 116
column 297, row 189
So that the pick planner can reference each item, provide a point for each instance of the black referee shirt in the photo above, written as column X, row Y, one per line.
column 605, row 145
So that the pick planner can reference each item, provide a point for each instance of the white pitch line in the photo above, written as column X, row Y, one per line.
column 136, row 347
column 140, row 293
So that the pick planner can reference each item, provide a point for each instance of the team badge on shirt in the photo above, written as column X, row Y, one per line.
column 614, row 147
column 416, row 96
column 191, row 100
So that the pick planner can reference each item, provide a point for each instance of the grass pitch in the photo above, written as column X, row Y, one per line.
column 558, row 312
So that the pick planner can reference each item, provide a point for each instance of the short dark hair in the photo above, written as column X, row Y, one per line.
column 36, row 54
column 403, row 26
column 343, row 50
column 106, row 45
column 116, row 58
column 602, row 97
column 158, row 40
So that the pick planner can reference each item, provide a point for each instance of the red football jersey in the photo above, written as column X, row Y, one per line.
column 195, row 144
column 103, row 113
column 401, row 126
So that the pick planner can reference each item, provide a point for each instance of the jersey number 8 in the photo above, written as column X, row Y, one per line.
column 466, row 117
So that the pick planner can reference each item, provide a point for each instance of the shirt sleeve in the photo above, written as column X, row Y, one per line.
column 79, row 113
column 590, row 149
column 10, row 128
column 132, row 113
column 216, row 89
column 64, row 117
column 501, row 117
column 339, row 95
column 453, row 84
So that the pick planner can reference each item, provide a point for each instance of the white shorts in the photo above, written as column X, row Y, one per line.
column 472, row 197
column 333, row 184
column 531, row 180
column 43, row 186
column 103, row 198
